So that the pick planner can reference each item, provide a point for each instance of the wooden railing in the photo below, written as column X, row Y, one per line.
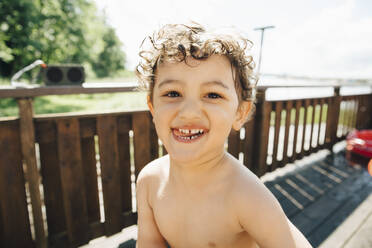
column 88, row 163
column 298, row 127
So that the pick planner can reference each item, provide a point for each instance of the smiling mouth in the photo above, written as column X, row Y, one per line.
column 188, row 135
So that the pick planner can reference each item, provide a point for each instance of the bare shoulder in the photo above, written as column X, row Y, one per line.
column 148, row 232
column 153, row 170
column 245, row 182
column 259, row 213
column 248, row 193
column 151, row 176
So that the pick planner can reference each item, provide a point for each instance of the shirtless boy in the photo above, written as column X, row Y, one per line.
column 198, row 196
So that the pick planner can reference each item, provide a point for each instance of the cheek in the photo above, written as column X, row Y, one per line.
column 163, row 115
column 224, row 113
column 164, row 110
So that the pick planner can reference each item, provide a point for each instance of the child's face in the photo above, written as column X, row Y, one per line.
column 194, row 107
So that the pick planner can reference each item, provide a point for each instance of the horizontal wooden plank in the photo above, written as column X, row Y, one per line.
column 8, row 118
column 32, row 91
column 82, row 115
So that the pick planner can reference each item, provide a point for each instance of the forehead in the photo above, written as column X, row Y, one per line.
column 215, row 68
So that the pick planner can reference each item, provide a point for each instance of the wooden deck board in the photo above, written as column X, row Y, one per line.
column 352, row 229
column 362, row 237
column 348, row 212
column 319, row 197
column 312, row 218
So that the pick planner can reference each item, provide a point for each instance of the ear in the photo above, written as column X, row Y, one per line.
column 242, row 114
column 149, row 104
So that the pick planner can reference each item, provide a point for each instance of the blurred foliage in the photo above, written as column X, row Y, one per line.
column 87, row 103
column 110, row 55
column 57, row 31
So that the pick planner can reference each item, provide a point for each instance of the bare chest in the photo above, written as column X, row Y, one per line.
column 198, row 220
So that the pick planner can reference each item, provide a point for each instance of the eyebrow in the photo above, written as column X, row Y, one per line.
column 216, row 82
column 209, row 83
column 168, row 81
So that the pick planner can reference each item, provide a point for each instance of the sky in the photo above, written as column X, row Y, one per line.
column 314, row 38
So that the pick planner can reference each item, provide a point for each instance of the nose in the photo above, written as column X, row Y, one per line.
column 190, row 109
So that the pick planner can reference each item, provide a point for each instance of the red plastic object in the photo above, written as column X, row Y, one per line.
column 360, row 142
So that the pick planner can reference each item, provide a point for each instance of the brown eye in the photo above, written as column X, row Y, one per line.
column 172, row 94
column 214, row 95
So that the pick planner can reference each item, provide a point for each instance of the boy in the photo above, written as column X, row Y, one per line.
column 200, row 86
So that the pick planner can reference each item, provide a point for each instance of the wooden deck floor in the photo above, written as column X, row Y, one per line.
column 319, row 198
column 326, row 198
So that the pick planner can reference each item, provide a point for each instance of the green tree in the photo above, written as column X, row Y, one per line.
column 15, row 22
column 56, row 31
column 110, row 59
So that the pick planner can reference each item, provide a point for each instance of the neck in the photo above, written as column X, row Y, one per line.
column 196, row 173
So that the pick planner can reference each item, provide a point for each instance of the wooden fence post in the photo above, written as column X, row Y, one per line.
column 369, row 110
column 332, row 119
column 363, row 119
column 141, row 123
column 261, row 133
column 72, row 181
column 29, row 156
column 110, row 173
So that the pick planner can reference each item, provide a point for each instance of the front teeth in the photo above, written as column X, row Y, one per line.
column 186, row 131
column 192, row 131
column 188, row 137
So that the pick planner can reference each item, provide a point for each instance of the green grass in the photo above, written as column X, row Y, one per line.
column 4, row 81
column 8, row 107
column 106, row 102
column 91, row 103
column 342, row 120
column 122, row 76
column 301, row 116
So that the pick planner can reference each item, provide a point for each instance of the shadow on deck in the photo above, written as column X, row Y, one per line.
column 319, row 196
column 317, row 193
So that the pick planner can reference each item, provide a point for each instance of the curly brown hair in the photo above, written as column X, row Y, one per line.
column 176, row 42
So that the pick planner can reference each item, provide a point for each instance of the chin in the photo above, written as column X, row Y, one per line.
column 182, row 156
column 185, row 156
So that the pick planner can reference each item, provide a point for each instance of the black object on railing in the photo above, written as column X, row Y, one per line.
column 63, row 75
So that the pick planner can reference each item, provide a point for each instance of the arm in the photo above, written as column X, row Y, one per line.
column 261, row 215
column 148, row 233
